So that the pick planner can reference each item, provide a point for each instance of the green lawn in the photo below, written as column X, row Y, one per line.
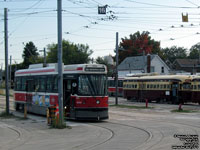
column 183, row 111
column 130, row 106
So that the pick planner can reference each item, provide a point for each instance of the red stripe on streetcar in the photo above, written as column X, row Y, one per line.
column 79, row 68
column 36, row 71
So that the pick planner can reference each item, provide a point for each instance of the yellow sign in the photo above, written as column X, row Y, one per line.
column 185, row 18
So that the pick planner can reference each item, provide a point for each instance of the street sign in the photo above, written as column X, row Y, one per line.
column 101, row 9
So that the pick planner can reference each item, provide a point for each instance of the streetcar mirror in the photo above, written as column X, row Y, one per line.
column 74, row 84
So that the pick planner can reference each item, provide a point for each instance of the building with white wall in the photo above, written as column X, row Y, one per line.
column 138, row 64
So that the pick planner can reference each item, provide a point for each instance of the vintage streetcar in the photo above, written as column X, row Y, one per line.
column 163, row 88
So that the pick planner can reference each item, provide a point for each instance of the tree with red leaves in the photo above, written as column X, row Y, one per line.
column 138, row 44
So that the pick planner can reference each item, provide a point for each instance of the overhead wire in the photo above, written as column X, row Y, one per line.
column 91, row 18
column 192, row 3
column 158, row 5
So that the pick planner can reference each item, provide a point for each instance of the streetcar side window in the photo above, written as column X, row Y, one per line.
column 55, row 84
column 49, row 83
column 120, row 83
column 42, row 84
column 18, row 84
column 37, row 85
column 23, row 84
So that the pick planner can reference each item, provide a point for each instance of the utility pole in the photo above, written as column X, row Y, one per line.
column 116, row 74
column 1, row 74
column 6, row 59
column 60, row 65
column 10, row 70
column 45, row 58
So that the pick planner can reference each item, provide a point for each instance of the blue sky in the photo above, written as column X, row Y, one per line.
column 36, row 20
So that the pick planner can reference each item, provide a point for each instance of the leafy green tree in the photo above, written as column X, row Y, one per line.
column 29, row 55
column 102, row 60
column 137, row 44
column 174, row 52
column 194, row 51
column 72, row 53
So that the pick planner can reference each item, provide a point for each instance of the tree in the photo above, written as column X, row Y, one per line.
column 137, row 44
column 104, row 60
column 72, row 53
column 194, row 51
column 174, row 52
column 29, row 55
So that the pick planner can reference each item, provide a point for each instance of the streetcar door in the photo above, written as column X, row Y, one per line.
column 66, row 95
column 175, row 92
column 69, row 88
column 73, row 98
column 141, row 92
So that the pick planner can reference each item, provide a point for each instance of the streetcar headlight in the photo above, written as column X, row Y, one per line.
column 98, row 102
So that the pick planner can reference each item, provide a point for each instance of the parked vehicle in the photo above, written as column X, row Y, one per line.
column 162, row 88
column 112, row 86
column 84, row 90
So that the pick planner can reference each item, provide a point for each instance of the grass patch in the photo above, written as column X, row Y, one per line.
column 183, row 111
column 130, row 106
column 21, row 118
column 5, row 115
column 56, row 125
column 5, row 95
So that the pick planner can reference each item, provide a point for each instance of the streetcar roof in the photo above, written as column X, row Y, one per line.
column 162, row 77
column 67, row 69
column 196, row 77
column 113, row 78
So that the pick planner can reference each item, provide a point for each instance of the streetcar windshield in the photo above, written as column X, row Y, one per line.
column 94, row 85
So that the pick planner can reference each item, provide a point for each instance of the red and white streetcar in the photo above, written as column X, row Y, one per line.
column 84, row 90
column 112, row 86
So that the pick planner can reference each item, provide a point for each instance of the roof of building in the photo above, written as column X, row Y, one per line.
column 188, row 62
column 137, row 62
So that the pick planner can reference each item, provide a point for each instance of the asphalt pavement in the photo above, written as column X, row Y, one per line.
column 126, row 129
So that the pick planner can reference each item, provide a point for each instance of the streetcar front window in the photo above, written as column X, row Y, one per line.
column 94, row 85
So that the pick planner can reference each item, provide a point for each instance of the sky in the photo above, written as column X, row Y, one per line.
column 36, row 21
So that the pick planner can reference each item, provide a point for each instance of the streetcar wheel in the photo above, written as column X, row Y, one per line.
column 128, row 98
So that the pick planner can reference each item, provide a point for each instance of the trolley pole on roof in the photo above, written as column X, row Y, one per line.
column 60, row 65
column 116, row 74
column 6, row 59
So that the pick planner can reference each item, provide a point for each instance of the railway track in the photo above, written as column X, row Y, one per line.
column 109, row 126
column 110, row 137
column 195, row 129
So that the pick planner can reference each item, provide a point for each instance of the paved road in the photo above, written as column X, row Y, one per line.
column 126, row 129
